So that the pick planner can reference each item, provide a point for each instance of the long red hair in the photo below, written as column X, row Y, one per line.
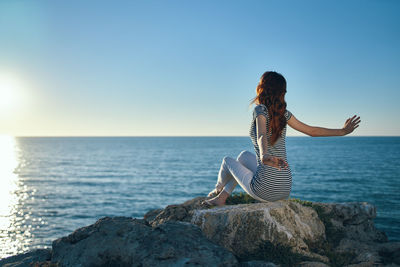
column 271, row 92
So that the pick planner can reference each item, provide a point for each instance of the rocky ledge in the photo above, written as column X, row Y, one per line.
column 245, row 232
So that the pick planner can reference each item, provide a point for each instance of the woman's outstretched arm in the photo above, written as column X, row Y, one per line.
column 349, row 126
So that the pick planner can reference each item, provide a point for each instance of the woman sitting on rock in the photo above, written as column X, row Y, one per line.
column 266, row 175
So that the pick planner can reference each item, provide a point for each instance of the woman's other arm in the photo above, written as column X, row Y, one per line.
column 349, row 126
column 262, row 141
column 261, row 126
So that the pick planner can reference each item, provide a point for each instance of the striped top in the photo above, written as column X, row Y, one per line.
column 270, row 183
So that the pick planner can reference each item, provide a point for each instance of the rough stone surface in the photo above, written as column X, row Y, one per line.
column 257, row 264
column 281, row 233
column 176, row 212
column 150, row 215
column 244, row 228
column 25, row 259
column 348, row 235
column 123, row 241
column 312, row 264
column 354, row 220
column 351, row 231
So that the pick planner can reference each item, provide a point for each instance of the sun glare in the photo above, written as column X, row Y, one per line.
column 11, row 88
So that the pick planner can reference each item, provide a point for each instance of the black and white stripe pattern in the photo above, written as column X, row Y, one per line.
column 270, row 183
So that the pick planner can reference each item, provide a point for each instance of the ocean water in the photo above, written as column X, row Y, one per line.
column 49, row 186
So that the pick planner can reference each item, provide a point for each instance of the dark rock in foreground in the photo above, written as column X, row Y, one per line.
column 283, row 233
column 122, row 241
column 25, row 259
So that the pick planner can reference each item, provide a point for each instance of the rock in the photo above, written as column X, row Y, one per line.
column 390, row 252
column 352, row 220
column 282, row 233
column 24, row 259
column 123, row 241
column 176, row 212
column 150, row 215
column 352, row 233
column 246, row 228
column 312, row 264
column 262, row 230
column 257, row 264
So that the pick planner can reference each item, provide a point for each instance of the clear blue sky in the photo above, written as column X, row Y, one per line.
column 191, row 67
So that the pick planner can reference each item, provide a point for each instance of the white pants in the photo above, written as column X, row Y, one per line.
column 240, row 170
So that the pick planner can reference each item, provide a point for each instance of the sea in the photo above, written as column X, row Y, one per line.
column 50, row 186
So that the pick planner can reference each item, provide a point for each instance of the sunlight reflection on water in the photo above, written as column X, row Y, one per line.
column 14, row 230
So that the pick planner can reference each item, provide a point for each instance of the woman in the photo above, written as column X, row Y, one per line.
column 266, row 175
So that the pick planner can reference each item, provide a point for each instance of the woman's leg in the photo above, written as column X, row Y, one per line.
column 240, row 174
column 225, row 178
column 248, row 159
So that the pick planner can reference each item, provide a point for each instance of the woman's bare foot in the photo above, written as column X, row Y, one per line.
column 214, row 193
column 219, row 200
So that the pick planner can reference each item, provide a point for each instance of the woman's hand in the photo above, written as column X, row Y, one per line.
column 274, row 162
column 351, row 124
